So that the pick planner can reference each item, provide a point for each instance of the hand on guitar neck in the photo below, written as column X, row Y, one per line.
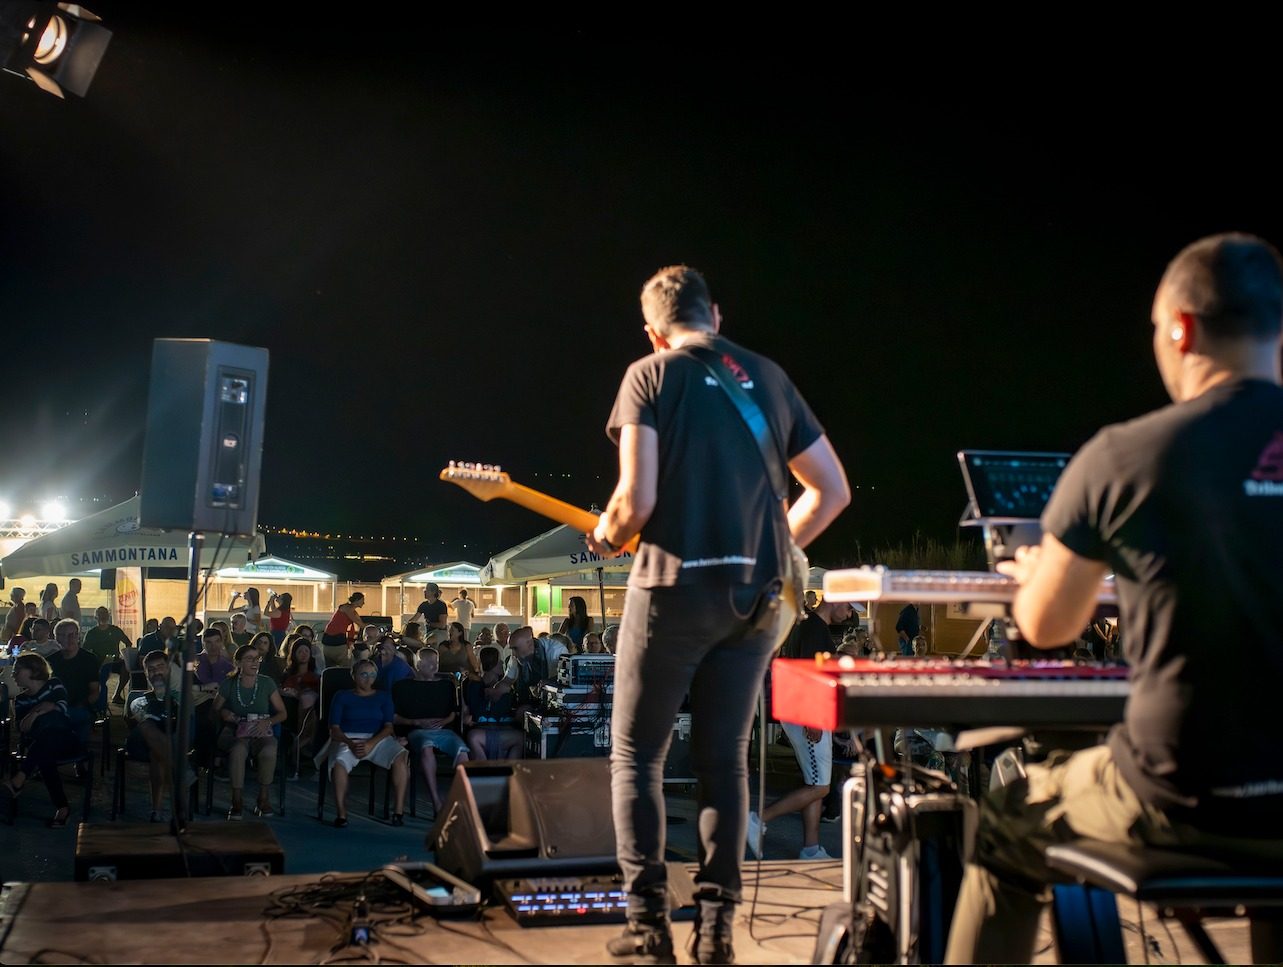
column 486, row 482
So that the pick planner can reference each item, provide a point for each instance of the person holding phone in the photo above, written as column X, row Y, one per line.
column 249, row 706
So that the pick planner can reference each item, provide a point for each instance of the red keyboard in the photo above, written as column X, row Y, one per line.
column 847, row 692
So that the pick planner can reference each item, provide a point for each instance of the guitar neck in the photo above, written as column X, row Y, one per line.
column 558, row 510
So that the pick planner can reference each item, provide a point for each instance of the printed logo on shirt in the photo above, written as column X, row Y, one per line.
column 1267, row 478
column 738, row 371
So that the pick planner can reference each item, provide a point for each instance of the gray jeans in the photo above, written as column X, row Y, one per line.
column 673, row 641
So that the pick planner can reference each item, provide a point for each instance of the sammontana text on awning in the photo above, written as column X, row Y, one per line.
column 123, row 555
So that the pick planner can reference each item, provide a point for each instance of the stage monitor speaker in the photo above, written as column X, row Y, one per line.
column 107, row 579
column 526, row 818
column 203, row 450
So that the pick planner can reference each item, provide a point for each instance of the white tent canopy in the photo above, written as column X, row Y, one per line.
column 455, row 574
column 113, row 538
column 560, row 552
column 274, row 569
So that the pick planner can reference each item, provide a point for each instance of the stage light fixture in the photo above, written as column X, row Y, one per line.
column 5, row 510
column 54, row 512
column 27, row 520
column 56, row 45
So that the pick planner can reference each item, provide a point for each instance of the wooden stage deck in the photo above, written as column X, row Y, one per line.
column 223, row 920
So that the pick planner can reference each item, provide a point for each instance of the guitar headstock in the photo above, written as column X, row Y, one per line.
column 483, row 480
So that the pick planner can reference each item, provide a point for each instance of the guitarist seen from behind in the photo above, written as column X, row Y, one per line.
column 715, row 544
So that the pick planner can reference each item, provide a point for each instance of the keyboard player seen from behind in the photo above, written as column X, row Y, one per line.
column 1185, row 506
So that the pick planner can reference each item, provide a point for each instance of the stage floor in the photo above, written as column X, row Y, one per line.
column 225, row 920
column 222, row 920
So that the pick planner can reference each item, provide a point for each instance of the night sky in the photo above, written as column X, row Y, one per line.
column 442, row 244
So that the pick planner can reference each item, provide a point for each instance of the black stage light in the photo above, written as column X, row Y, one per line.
column 58, row 46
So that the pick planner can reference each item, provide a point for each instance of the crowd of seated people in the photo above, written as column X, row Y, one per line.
column 446, row 702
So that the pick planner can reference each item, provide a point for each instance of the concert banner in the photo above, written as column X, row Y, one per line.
column 129, row 601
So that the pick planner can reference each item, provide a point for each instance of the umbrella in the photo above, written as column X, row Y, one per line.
column 559, row 552
column 555, row 553
column 113, row 538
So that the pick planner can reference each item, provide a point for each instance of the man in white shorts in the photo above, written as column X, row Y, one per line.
column 813, row 747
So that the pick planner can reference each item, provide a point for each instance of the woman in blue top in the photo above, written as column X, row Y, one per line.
column 577, row 623
column 361, row 726
column 45, row 735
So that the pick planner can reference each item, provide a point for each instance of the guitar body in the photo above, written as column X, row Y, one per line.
column 793, row 595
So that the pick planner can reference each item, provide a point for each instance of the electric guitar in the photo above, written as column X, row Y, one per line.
column 486, row 482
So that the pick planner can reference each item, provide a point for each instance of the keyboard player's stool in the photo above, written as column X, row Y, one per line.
column 1185, row 885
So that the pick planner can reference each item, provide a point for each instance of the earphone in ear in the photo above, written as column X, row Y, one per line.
column 1178, row 333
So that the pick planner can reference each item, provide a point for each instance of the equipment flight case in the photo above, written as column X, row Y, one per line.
column 907, row 833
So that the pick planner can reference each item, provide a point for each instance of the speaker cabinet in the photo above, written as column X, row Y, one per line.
column 203, row 450
column 526, row 818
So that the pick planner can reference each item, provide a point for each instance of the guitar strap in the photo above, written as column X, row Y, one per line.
column 759, row 428
column 754, row 419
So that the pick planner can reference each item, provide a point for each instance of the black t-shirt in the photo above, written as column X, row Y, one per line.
column 486, row 711
column 415, row 699
column 1186, row 507
column 714, row 515
column 810, row 638
column 908, row 622
column 434, row 611
column 77, row 674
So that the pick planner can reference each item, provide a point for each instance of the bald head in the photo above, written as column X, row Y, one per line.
column 1218, row 314
column 1232, row 283
column 522, row 641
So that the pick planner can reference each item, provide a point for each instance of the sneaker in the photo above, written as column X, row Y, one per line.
column 710, row 941
column 814, row 853
column 643, row 943
column 159, row 816
column 235, row 815
column 264, row 811
column 756, row 831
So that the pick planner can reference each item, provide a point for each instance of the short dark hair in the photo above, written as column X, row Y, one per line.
column 677, row 296
column 489, row 657
column 1232, row 283
column 157, row 655
column 35, row 664
column 213, row 631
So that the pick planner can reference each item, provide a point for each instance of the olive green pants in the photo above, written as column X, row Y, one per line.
column 1068, row 797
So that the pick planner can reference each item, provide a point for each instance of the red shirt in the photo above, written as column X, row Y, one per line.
column 282, row 622
column 340, row 623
